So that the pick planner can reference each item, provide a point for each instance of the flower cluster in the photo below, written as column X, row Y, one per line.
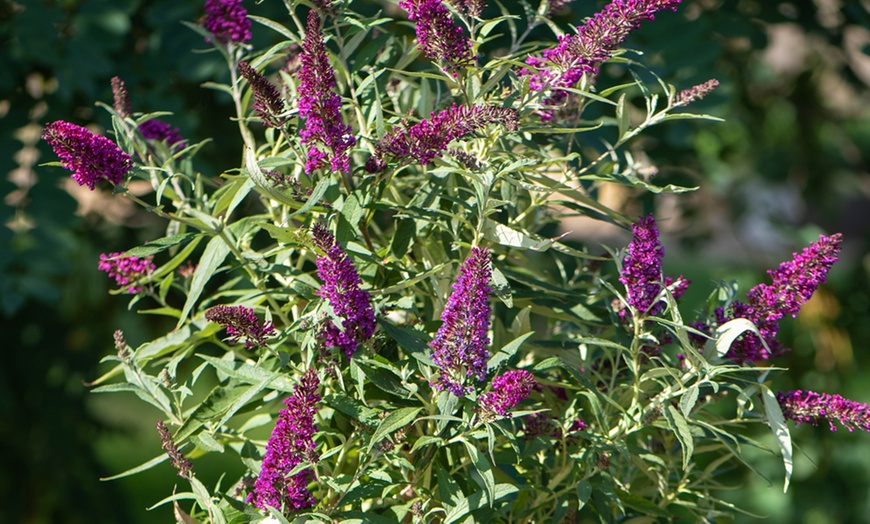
column 126, row 271
column 811, row 407
column 581, row 53
column 425, row 140
column 241, row 321
column 469, row 7
column 687, row 96
column 183, row 465
column 268, row 103
column 508, row 390
column 438, row 37
column 122, row 106
column 227, row 20
column 291, row 443
column 794, row 282
column 90, row 157
column 320, row 106
column 341, row 287
column 460, row 345
column 159, row 130
column 642, row 270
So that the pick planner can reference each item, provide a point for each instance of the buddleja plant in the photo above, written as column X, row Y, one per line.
column 381, row 330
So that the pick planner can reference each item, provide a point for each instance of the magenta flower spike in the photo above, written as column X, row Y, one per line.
column 121, row 100
column 438, row 37
column 159, row 130
column 268, row 103
column 794, row 282
column 90, row 157
column 460, row 345
column 508, row 390
column 126, row 270
column 809, row 407
column 227, row 20
column 291, row 443
column 320, row 106
column 241, row 322
column 341, row 287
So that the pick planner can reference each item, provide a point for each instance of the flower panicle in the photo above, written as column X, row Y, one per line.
column 460, row 345
column 320, row 106
column 291, row 444
column 642, row 266
column 341, row 288
column 508, row 390
column 183, row 465
column 427, row 139
column 227, row 21
column 268, row 103
column 126, row 270
column 92, row 158
column 121, row 99
column 687, row 96
column 809, row 407
column 241, row 322
column 156, row 129
column 438, row 37
column 469, row 7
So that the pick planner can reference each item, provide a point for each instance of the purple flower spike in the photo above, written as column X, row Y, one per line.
column 268, row 103
column 341, row 284
column 437, row 36
column 429, row 138
column 687, row 96
column 159, row 130
column 227, row 20
column 241, row 321
column 469, row 7
column 291, row 443
column 794, row 282
column 126, row 270
column 811, row 407
column 460, row 345
column 642, row 266
column 122, row 106
column 508, row 390
column 582, row 53
column 90, row 157
column 320, row 106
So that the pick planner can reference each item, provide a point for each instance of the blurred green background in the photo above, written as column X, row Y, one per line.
column 789, row 162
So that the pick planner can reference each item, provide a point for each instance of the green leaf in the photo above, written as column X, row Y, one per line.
column 385, row 379
column 163, row 457
column 161, row 244
column 502, row 287
column 352, row 408
column 728, row 332
column 250, row 374
column 218, row 401
column 483, row 468
column 206, row 442
column 414, row 342
column 776, row 421
column 584, row 491
column 644, row 506
column 681, row 429
column 508, row 351
column 215, row 252
column 475, row 502
column 395, row 420
column 623, row 121
column 688, row 400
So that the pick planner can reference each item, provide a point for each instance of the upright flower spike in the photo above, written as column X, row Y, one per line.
column 469, row 7
column 268, row 103
column 427, row 139
column 508, row 390
column 227, row 20
column 581, row 53
column 90, row 157
column 122, row 106
column 241, row 322
column 320, row 106
column 811, row 407
column 183, row 465
column 159, row 131
column 291, row 443
column 438, row 37
column 126, row 270
column 341, row 287
column 687, row 96
column 794, row 282
column 460, row 345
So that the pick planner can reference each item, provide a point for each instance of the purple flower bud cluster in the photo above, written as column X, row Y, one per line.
column 508, row 390
column 183, row 465
column 227, row 20
column 581, row 53
column 291, row 443
column 811, row 407
column 428, row 138
column 438, row 37
column 122, row 106
column 241, row 321
column 794, row 282
column 642, row 270
column 126, row 271
column 553, row 6
column 159, row 130
column 90, row 157
column 687, row 96
column 320, row 106
column 460, row 345
column 341, row 287
column 469, row 7
column 268, row 103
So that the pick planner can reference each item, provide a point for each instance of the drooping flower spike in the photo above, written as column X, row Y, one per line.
column 126, row 271
column 241, row 322
column 268, row 103
column 809, row 407
column 438, row 37
column 159, row 131
column 92, row 158
column 460, row 345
